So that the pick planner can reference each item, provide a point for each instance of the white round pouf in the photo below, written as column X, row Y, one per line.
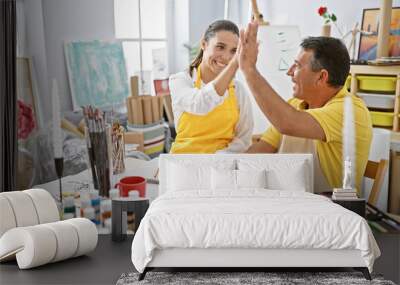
column 87, row 235
column 33, row 246
column 23, row 207
column 7, row 218
column 45, row 205
column 67, row 240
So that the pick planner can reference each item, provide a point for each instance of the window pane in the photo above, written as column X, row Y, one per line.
column 153, row 52
column 148, row 49
column 153, row 18
column 132, row 57
column 126, row 15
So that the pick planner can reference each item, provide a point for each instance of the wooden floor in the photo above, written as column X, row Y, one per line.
column 102, row 266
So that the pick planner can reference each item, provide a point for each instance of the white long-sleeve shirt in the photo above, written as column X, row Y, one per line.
column 187, row 98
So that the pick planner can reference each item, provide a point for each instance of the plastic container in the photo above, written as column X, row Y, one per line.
column 382, row 119
column 381, row 101
column 133, row 194
column 114, row 193
column 377, row 83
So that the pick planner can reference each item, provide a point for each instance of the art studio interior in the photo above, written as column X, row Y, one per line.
column 200, row 142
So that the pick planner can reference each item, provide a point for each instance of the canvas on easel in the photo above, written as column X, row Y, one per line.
column 369, row 40
column 97, row 73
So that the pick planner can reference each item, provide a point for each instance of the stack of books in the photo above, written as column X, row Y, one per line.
column 344, row 194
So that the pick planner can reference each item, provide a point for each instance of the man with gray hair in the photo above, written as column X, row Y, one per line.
column 311, row 121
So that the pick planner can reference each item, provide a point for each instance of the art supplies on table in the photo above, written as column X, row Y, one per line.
column 118, row 148
column 105, row 210
column 114, row 193
column 95, row 203
column 144, row 109
column 98, row 138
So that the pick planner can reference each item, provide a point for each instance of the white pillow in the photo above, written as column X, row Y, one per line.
column 236, row 179
column 183, row 177
column 223, row 179
column 292, row 178
column 251, row 178
column 281, row 174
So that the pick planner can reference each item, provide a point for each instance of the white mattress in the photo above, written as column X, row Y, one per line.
column 253, row 218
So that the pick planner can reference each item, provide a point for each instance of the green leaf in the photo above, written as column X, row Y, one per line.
column 327, row 21
column 333, row 17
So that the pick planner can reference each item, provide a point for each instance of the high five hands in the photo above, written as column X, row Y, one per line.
column 248, row 48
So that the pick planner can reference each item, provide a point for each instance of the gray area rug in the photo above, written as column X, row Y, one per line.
column 229, row 278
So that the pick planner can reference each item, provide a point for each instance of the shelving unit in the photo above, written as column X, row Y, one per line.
column 369, row 70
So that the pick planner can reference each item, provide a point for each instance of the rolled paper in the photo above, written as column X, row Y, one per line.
column 67, row 125
column 135, row 86
column 155, row 109
column 148, row 116
column 137, row 110
column 161, row 106
column 129, row 110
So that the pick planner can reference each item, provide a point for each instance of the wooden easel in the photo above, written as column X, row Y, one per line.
column 256, row 15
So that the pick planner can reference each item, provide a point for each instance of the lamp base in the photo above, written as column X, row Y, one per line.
column 59, row 163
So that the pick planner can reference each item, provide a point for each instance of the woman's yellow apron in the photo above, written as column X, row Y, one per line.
column 211, row 132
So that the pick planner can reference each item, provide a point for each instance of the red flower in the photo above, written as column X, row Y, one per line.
column 26, row 121
column 322, row 10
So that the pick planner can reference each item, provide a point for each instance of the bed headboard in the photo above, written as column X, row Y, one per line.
column 213, row 159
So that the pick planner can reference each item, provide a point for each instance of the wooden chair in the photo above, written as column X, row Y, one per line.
column 376, row 171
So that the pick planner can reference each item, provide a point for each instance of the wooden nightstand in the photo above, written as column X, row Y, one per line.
column 356, row 205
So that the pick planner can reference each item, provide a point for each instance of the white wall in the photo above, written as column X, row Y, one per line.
column 201, row 14
column 36, row 48
column 178, row 35
column 73, row 20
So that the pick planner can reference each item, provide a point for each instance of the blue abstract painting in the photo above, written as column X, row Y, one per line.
column 97, row 73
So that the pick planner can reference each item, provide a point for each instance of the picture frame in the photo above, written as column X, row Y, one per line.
column 27, row 91
column 97, row 73
column 370, row 23
column 161, row 87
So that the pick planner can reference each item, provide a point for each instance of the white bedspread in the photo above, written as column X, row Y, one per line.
column 253, row 218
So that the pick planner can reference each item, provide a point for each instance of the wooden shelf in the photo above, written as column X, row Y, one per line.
column 379, row 70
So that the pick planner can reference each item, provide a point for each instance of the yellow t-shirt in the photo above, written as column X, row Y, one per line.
column 330, row 117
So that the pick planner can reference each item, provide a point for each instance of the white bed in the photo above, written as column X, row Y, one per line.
column 201, row 220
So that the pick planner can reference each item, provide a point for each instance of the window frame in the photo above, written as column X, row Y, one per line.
column 140, row 39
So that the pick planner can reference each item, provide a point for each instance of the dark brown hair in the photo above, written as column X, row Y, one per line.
column 330, row 54
column 220, row 25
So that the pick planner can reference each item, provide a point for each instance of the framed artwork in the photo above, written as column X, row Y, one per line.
column 161, row 87
column 97, row 73
column 370, row 23
column 29, row 113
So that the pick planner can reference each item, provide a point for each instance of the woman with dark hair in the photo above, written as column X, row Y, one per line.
column 212, row 111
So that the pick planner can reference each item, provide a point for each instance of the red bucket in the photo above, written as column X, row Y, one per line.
column 129, row 183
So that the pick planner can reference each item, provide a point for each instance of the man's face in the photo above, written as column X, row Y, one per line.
column 303, row 78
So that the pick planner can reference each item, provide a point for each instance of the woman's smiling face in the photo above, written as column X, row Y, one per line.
column 219, row 50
